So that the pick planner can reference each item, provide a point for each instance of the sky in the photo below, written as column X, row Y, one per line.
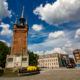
column 54, row 25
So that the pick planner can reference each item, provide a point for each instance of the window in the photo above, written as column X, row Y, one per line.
column 24, row 59
column 76, row 55
column 77, row 58
column 10, row 59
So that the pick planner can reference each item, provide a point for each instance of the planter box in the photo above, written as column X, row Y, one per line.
column 28, row 73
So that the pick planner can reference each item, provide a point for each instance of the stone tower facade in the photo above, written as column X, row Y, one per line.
column 19, row 54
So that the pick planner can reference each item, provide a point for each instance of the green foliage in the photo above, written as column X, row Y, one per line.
column 4, row 50
column 6, row 72
column 33, row 59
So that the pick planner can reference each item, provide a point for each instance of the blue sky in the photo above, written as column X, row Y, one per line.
column 54, row 25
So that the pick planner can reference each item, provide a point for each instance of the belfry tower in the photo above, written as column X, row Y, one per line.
column 19, row 44
column 19, row 54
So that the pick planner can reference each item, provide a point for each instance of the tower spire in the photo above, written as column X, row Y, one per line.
column 22, row 16
column 22, row 20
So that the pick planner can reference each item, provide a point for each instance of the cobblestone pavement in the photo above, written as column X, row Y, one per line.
column 55, row 74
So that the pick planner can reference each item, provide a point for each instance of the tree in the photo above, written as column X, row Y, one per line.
column 4, row 51
column 33, row 59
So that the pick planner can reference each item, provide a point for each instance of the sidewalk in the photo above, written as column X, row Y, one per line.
column 63, row 68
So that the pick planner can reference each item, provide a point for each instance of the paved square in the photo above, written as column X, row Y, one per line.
column 55, row 74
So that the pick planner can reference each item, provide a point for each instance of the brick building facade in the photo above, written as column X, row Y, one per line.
column 19, row 44
column 76, row 54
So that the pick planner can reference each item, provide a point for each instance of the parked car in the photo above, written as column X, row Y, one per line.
column 70, row 66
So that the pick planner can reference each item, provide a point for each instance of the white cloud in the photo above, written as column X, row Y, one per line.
column 56, row 34
column 37, row 27
column 39, row 52
column 4, row 12
column 68, row 47
column 5, row 30
column 59, row 12
column 68, row 44
column 77, row 35
column 49, row 43
column 65, row 49
column 64, row 45
column 8, row 44
column 56, row 50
